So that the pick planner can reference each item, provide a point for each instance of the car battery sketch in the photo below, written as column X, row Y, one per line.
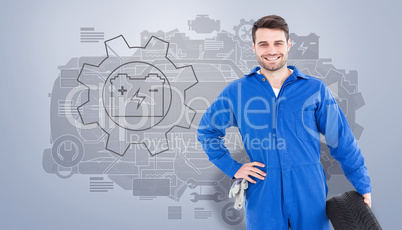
column 137, row 96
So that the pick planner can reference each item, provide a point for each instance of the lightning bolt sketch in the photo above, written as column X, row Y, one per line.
column 153, row 42
column 138, row 98
column 302, row 48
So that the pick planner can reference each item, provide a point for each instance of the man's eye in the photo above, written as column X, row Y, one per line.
column 263, row 44
column 279, row 43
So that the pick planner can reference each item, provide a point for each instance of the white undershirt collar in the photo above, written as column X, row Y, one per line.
column 276, row 90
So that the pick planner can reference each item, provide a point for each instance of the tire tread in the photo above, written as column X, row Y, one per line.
column 347, row 211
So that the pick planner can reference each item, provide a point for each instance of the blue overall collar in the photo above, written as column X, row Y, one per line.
column 296, row 73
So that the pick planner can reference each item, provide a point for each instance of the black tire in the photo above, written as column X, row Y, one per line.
column 347, row 211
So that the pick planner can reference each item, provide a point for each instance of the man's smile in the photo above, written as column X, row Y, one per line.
column 272, row 58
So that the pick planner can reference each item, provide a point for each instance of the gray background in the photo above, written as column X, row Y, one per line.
column 38, row 37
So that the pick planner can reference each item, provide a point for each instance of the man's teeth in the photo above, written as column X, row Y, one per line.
column 272, row 59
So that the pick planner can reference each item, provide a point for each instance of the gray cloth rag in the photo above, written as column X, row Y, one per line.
column 237, row 190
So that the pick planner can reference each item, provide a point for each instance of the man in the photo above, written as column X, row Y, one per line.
column 287, row 186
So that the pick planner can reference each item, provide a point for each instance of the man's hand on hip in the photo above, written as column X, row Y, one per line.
column 249, row 169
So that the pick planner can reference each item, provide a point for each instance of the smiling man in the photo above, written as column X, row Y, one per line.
column 287, row 186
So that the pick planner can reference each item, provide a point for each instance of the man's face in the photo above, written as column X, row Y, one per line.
column 271, row 48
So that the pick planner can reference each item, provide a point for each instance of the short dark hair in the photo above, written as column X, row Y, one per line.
column 271, row 22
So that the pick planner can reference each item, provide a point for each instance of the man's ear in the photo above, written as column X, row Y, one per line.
column 253, row 47
column 289, row 44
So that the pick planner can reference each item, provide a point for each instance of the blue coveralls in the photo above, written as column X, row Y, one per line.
column 294, row 190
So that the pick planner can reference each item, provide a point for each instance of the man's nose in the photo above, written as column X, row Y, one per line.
column 271, row 50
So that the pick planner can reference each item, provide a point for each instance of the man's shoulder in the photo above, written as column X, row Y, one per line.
column 315, row 84
column 313, row 81
column 235, row 84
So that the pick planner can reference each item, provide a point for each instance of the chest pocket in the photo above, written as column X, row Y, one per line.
column 306, row 126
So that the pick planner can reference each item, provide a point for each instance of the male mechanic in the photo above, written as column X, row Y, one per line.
column 287, row 184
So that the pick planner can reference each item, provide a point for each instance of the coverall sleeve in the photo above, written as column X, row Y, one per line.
column 211, row 131
column 339, row 138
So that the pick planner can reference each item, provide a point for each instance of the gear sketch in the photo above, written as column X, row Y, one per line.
column 243, row 32
column 128, row 112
